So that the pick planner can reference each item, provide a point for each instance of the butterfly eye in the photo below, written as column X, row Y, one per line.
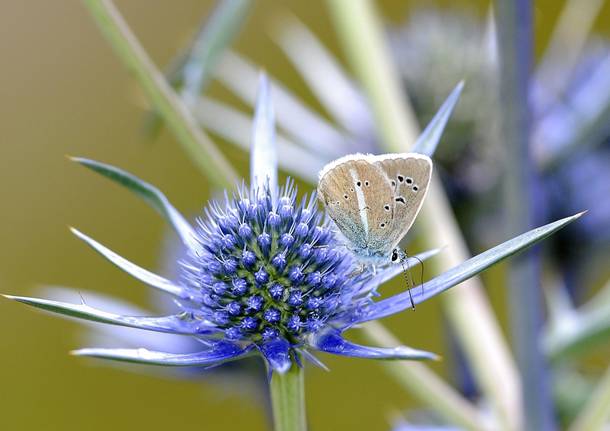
column 394, row 256
column 400, row 178
column 415, row 188
column 409, row 180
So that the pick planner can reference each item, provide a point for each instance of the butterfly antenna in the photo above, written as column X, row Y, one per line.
column 408, row 278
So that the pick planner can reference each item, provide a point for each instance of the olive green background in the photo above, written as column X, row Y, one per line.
column 63, row 91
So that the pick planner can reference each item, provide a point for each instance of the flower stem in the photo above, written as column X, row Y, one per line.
column 515, row 34
column 364, row 42
column 288, row 400
column 201, row 150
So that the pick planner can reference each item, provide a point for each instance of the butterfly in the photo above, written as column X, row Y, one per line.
column 374, row 200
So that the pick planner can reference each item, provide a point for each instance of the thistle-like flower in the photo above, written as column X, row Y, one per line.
column 268, row 270
column 265, row 274
column 262, row 273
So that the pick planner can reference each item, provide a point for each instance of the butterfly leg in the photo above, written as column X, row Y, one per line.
column 406, row 270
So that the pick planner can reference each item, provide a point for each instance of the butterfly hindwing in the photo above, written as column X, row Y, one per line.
column 349, row 189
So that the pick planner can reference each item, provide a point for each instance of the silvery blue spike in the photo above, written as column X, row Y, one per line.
column 331, row 341
column 141, row 274
column 463, row 271
column 428, row 140
column 177, row 324
column 151, row 196
column 218, row 353
column 263, row 153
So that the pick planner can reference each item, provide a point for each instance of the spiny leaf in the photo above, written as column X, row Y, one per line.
column 141, row 274
column 172, row 324
column 221, row 352
column 263, row 156
column 431, row 136
column 151, row 196
column 464, row 271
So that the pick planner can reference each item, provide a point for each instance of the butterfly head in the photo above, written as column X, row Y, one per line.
column 395, row 258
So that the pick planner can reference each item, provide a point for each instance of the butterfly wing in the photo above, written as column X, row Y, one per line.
column 352, row 188
column 409, row 175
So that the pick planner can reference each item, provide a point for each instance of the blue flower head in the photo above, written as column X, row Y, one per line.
column 263, row 273
column 267, row 271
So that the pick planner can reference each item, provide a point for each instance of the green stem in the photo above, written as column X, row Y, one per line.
column 197, row 144
column 368, row 51
column 288, row 400
column 515, row 35
column 219, row 30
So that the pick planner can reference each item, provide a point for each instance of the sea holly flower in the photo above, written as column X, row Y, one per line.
column 261, row 275
column 574, row 151
column 266, row 275
column 253, row 281
column 251, row 285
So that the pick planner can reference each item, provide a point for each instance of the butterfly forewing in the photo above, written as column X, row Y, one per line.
column 409, row 175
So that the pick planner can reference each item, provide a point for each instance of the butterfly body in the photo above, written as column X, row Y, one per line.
column 374, row 200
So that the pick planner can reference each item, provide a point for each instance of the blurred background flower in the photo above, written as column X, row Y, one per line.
column 569, row 138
